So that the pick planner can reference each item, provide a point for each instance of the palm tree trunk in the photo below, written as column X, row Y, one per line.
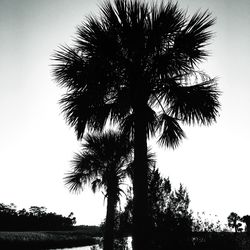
column 108, row 243
column 140, row 185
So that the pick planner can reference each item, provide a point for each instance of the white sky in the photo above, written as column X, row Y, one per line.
column 36, row 145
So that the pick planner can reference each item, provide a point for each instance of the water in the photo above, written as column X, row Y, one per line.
column 95, row 247
column 80, row 248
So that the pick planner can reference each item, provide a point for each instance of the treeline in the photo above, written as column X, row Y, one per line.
column 35, row 219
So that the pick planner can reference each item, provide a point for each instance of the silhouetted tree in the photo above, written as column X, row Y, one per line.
column 136, row 65
column 234, row 221
column 246, row 219
column 159, row 194
column 174, row 225
column 170, row 218
column 102, row 163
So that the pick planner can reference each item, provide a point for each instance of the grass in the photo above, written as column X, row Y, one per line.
column 44, row 239
column 221, row 240
column 60, row 239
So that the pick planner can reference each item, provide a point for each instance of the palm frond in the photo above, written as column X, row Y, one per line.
column 164, row 22
column 96, row 184
column 85, row 169
column 77, row 110
column 68, row 67
column 151, row 158
column 151, row 119
column 97, row 38
column 87, row 164
column 110, row 17
column 197, row 103
column 127, row 125
column 120, row 104
column 122, row 12
column 82, row 109
column 73, row 180
column 194, row 37
column 170, row 131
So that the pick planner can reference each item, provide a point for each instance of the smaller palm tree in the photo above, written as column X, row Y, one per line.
column 102, row 164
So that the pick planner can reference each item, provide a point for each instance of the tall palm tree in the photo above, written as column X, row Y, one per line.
column 136, row 65
column 102, row 164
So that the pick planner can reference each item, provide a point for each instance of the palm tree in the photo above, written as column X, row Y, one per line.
column 102, row 164
column 136, row 66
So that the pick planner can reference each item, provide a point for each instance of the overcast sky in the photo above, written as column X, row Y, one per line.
column 36, row 145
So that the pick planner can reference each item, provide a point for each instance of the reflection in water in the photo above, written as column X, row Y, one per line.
column 96, row 247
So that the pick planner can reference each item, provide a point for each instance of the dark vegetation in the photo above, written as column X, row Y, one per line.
column 170, row 217
column 35, row 219
column 220, row 241
column 172, row 223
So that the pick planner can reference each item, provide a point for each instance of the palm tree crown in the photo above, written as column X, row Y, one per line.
column 138, row 53
column 102, row 163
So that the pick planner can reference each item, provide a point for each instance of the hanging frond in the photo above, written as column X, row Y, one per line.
column 96, row 184
column 195, row 104
column 73, row 180
column 81, row 111
column 171, row 132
